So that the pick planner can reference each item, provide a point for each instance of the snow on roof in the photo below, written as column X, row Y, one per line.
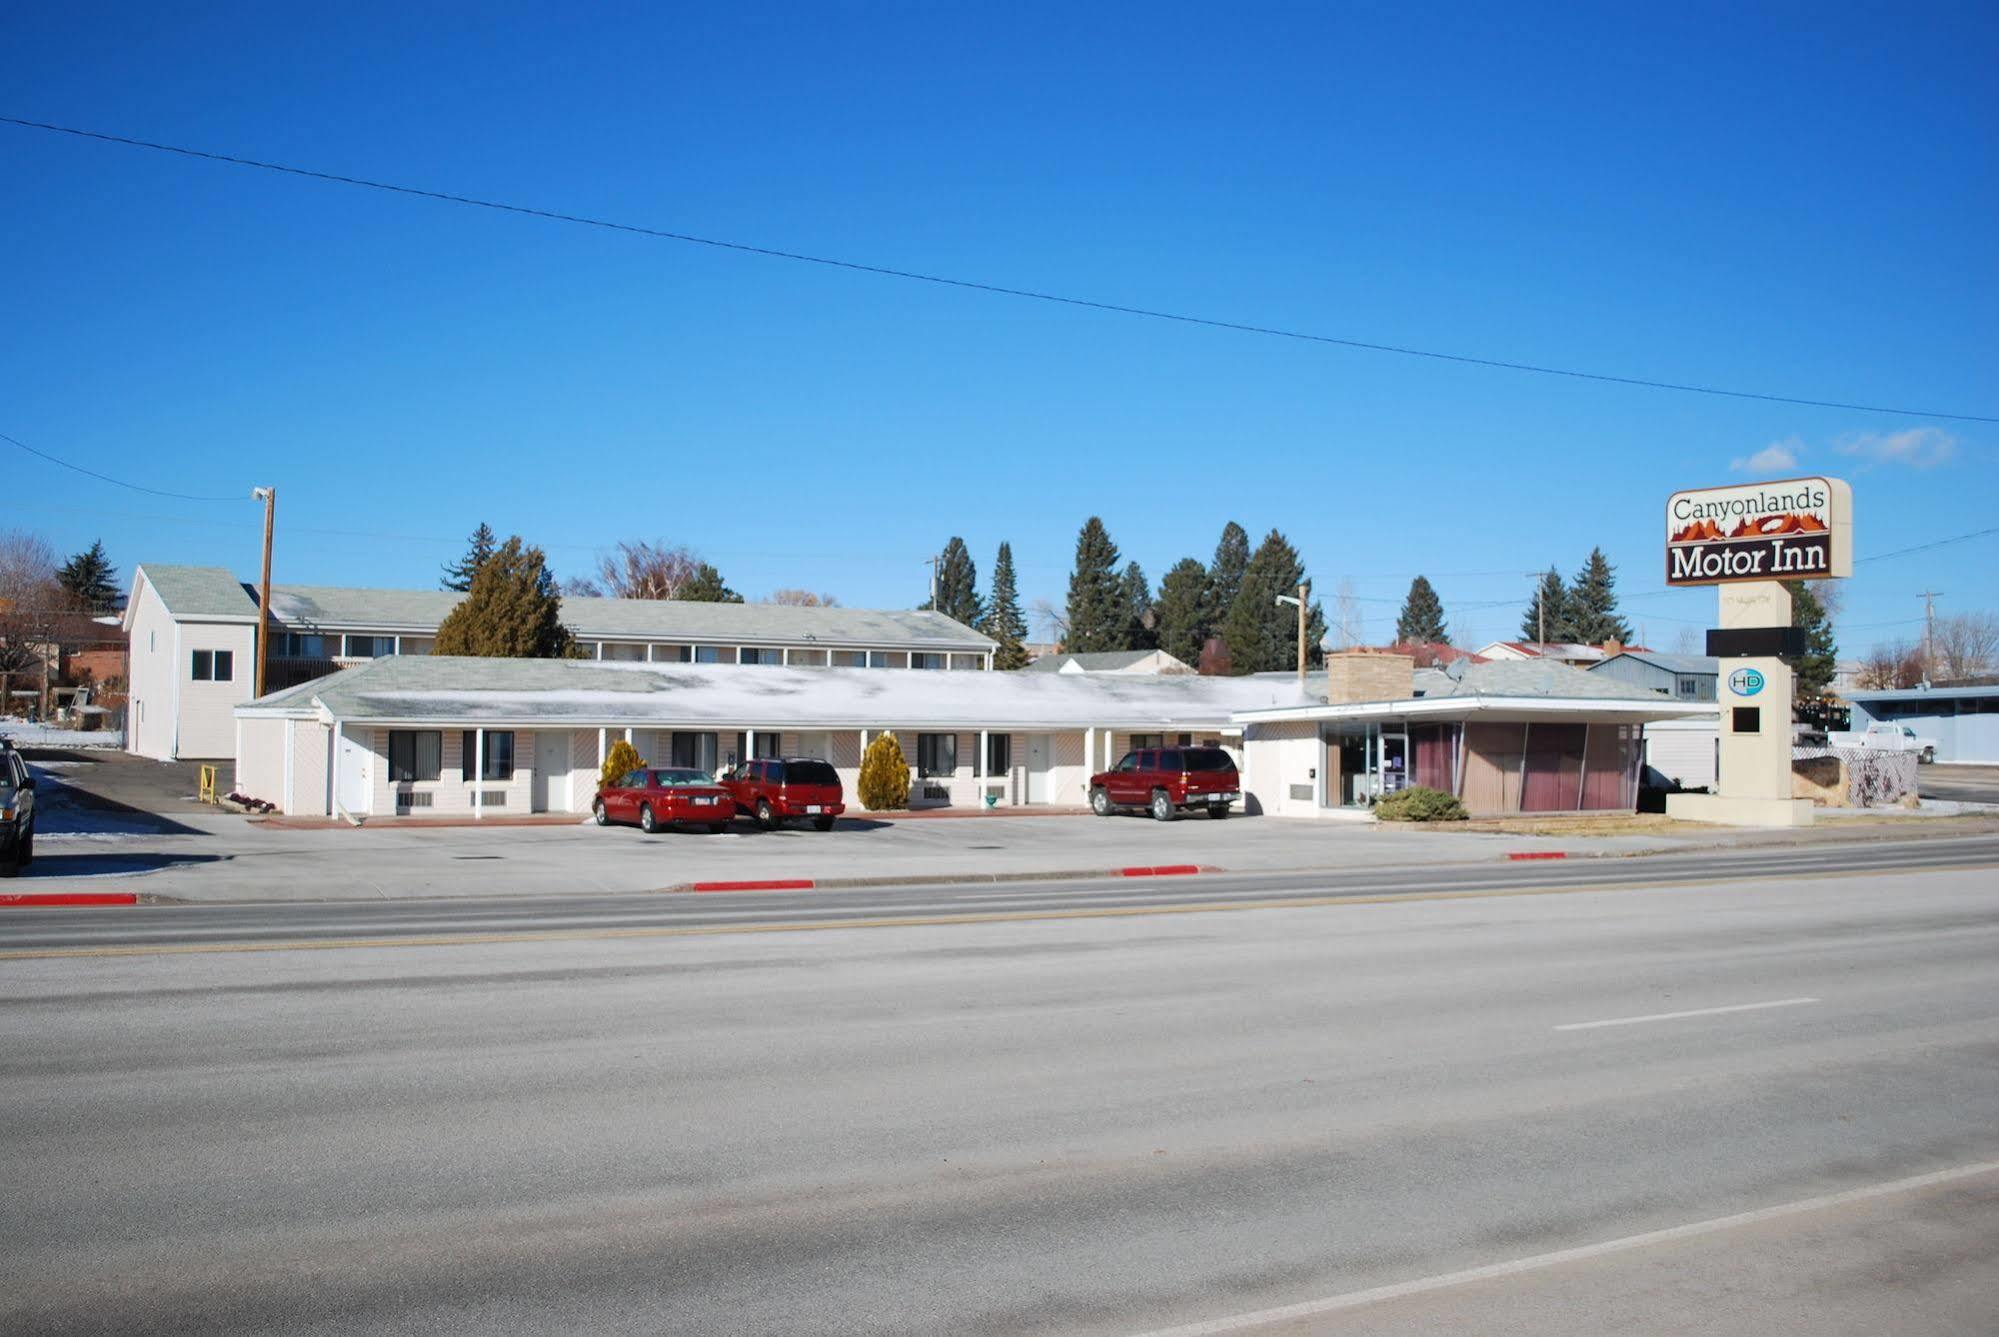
column 556, row 692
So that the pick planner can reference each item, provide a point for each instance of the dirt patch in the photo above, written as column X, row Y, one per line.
column 1577, row 824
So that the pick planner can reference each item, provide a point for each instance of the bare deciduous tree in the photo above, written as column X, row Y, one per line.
column 1050, row 622
column 33, row 610
column 1891, row 667
column 1347, row 619
column 636, row 569
column 1965, row 645
column 790, row 598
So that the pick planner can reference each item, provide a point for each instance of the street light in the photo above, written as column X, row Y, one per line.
column 1304, row 593
column 269, row 496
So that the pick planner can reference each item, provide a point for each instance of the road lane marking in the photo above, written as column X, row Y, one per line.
column 483, row 939
column 1691, row 1012
column 1375, row 1295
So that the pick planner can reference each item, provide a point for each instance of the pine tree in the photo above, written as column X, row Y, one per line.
column 1135, row 597
column 1814, row 669
column 707, row 588
column 884, row 781
column 1183, row 615
column 1422, row 618
column 1225, row 573
column 90, row 579
column 958, row 585
column 1004, row 621
column 1262, row 634
column 458, row 575
column 1553, row 596
column 512, row 610
column 1096, row 609
column 1592, row 602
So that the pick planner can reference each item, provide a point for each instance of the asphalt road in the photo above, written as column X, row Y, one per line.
column 1763, row 1098
column 1962, row 784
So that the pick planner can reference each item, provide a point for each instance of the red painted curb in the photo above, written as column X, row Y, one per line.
column 1163, row 870
column 33, row 898
column 1540, row 854
column 775, row 884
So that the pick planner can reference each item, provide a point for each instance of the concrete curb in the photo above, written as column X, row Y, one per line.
column 34, row 899
column 938, row 880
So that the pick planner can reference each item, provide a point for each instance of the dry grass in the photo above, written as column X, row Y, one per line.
column 1579, row 824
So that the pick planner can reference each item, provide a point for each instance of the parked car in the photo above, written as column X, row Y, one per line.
column 1167, row 781
column 1888, row 737
column 659, row 798
column 17, row 812
column 775, row 791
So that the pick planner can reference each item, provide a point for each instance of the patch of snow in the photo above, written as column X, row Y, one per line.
column 25, row 733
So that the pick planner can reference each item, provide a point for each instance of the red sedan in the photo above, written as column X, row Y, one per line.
column 657, row 798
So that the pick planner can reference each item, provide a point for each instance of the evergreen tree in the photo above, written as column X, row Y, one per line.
column 1182, row 615
column 1814, row 668
column 707, row 588
column 619, row 762
column 90, row 579
column 1004, row 621
column 1592, row 602
column 1135, row 596
column 511, row 611
column 883, row 785
column 958, row 585
column 458, row 575
column 1225, row 573
column 1096, row 610
column 1422, row 618
column 1553, row 596
column 1262, row 634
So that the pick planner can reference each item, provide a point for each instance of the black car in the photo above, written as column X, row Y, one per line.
column 17, row 813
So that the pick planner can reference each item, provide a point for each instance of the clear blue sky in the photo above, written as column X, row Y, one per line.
column 1795, row 200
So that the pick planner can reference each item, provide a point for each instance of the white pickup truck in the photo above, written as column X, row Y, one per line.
column 1887, row 737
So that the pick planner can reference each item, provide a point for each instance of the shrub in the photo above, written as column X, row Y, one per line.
column 1420, row 804
column 884, row 785
column 619, row 762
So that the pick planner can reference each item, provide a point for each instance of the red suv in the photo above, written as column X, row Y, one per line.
column 1165, row 780
column 656, row 798
column 774, row 791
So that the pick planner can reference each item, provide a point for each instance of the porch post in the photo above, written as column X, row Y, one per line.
column 1089, row 753
column 478, row 774
column 979, row 762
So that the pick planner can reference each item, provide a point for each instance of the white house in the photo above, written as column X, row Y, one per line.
column 192, row 632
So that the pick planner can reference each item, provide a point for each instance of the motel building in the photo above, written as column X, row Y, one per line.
column 413, row 736
column 192, row 632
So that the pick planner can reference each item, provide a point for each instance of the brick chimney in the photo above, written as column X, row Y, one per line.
column 1613, row 646
column 1369, row 675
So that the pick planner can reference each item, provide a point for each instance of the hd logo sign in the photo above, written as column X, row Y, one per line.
column 1798, row 529
column 1745, row 682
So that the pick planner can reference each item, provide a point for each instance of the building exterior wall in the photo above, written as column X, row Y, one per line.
column 149, row 693
column 260, row 759
column 207, row 721
column 1360, row 676
column 1651, row 677
column 1966, row 727
column 1683, row 750
column 311, row 744
column 1278, row 761
column 450, row 794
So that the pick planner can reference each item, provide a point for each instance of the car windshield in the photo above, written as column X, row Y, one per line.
column 810, row 773
column 1207, row 759
column 671, row 779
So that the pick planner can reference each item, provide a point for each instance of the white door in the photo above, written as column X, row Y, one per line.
column 816, row 746
column 354, row 763
column 549, row 780
column 1040, row 755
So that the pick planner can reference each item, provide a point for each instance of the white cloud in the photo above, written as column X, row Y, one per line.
column 1918, row 447
column 1773, row 458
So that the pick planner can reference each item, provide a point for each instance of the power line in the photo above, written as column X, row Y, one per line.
column 973, row 285
column 1925, row 547
column 107, row 478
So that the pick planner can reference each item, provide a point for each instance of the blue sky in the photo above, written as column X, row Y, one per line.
column 1793, row 200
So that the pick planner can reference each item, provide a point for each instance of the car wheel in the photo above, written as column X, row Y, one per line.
column 597, row 811
column 1217, row 811
column 766, row 815
column 822, row 823
column 1100, row 803
column 646, row 822
column 1162, row 806
column 1929, row 755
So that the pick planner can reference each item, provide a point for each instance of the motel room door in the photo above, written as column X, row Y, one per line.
column 1040, row 756
column 354, row 762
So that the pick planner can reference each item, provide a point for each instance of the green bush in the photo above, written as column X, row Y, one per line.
column 621, row 761
column 1419, row 804
column 884, row 785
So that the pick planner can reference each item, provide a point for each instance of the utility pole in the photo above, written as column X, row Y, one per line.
column 1540, row 604
column 1302, row 601
column 269, row 496
column 935, row 564
column 1929, row 598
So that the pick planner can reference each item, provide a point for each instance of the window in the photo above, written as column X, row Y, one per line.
column 759, row 654
column 368, row 647
column 499, row 754
column 936, row 754
column 923, row 659
column 415, row 754
column 214, row 666
column 877, row 659
column 1128, row 762
column 1172, row 760
column 850, row 659
column 707, row 654
column 1145, row 740
column 696, row 751
column 301, row 645
column 999, row 753
column 1748, row 719
column 810, row 773
column 1206, row 759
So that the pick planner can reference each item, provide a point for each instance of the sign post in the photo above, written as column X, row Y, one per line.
column 1747, row 541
